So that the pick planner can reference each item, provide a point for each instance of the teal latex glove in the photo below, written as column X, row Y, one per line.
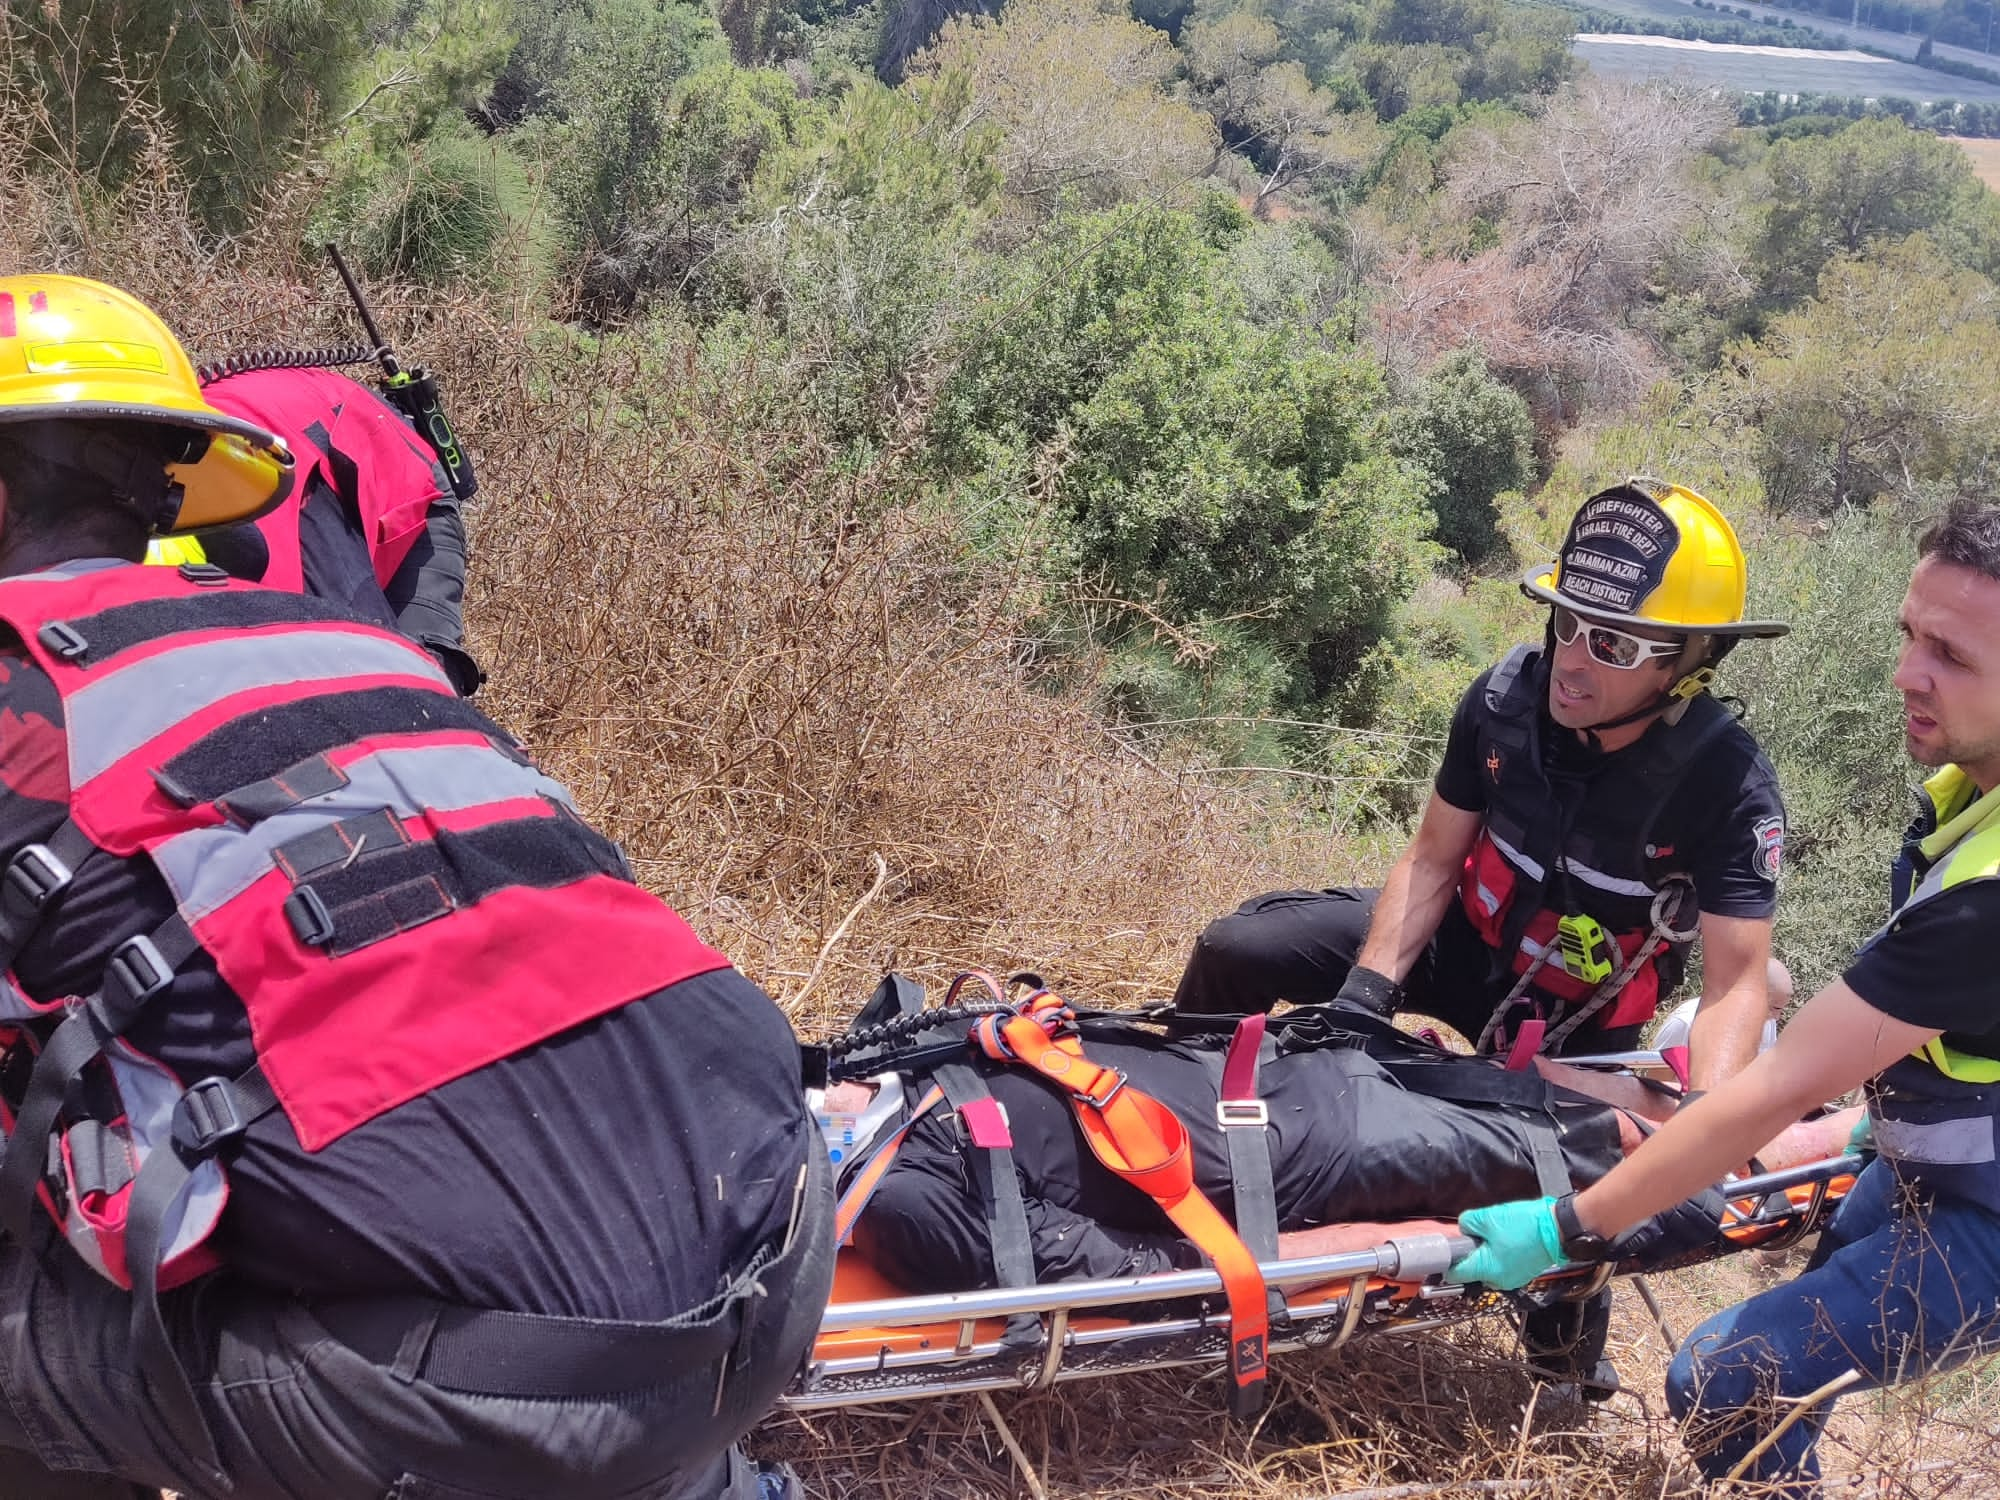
column 1863, row 1136
column 1518, row 1242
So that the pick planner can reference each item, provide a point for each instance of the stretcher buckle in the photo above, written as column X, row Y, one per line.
column 1236, row 1114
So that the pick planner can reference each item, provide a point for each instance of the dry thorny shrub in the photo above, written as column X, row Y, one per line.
column 762, row 671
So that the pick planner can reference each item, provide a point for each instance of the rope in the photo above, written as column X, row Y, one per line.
column 898, row 1028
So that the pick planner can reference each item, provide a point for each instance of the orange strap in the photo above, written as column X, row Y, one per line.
column 870, row 1176
column 1144, row 1142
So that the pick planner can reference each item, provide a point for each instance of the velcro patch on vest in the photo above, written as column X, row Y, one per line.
column 388, row 913
column 313, row 777
column 123, row 626
column 266, row 745
column 339, row 845
column 369, row 895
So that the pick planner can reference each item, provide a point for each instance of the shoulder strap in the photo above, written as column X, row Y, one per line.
column 1245, row 1122
column 35, row 876
column 1677, row 752
column 869, row 1178
column 207, row 1119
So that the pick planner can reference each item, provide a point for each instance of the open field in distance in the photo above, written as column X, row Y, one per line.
column 1757, row 71
column 1985, row 156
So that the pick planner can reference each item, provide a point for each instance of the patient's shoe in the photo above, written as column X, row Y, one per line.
column 1564, row 1342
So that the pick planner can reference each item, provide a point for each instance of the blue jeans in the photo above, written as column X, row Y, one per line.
column 1902, row 1284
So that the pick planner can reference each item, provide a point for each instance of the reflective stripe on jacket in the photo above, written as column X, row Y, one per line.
column 397, row 894
column 1936, row 1113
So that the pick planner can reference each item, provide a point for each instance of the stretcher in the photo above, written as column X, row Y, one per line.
column 879, row 1343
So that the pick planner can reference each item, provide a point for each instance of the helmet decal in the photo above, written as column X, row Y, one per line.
column 1657, row 555
column 1617, row 550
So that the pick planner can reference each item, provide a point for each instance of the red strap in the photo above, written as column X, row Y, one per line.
column 1527, row 1042
column 1239, row 1068
column 986, row 1124
column 870, row 1177
column 1677, row 1059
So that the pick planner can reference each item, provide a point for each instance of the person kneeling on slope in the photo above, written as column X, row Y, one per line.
column 369, row 1131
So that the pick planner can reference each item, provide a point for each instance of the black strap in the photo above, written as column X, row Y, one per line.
column 100, row 1158
column 139, row 969
column 1245, row 1125
column 1551, row 1171
column 208, row 1117
column 492, row 1353
column 35, row 876
column 1000, row 1193
column 314, row 776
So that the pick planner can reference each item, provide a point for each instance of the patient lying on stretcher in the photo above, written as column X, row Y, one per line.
column 1364, row 1142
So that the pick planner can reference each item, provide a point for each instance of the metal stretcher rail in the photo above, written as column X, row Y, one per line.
column 901, row 1347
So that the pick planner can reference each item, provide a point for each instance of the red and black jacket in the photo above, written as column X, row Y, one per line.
column 371, row 865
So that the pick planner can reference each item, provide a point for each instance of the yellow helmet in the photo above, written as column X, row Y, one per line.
column 71, row 348
column 1654, row 554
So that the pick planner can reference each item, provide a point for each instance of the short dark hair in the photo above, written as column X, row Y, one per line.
column 48, row 496
column 1967, row 535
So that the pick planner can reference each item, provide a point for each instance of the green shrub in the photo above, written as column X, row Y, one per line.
column 859, row 247
column 1475, row 437
column 1821, row 703
column 455, row 205
column 1214, row 471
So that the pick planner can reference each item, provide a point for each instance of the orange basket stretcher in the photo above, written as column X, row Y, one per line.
column 878, row 1342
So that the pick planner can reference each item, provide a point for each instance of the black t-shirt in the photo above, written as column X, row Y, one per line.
column 623, row 1169
column 1724, row 823
column 1934, row 968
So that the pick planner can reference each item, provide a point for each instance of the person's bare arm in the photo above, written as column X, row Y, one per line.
column 1419, row 889
column 1817, row 1139
column 1735, row 959
column 1837, row 1042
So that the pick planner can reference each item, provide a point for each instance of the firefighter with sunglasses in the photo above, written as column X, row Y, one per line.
column 1596, row 810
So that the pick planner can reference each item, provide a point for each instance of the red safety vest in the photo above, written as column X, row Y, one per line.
column 346, row 435
column 396, row 892
column 1518, row 885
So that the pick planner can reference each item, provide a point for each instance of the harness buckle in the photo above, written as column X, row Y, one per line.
column 1103, row 1102
column 312, row 923
column 134, row 974
column 1237, row 1114
column 33, row 878
column 207, row 1118
column 63, row 639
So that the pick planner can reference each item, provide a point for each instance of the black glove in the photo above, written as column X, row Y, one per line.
column 1375, row 993
column 1691, row 1225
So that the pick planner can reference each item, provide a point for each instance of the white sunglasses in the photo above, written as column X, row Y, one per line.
column 1614, row 648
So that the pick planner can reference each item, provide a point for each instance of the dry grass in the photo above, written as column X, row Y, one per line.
column 763, row 670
